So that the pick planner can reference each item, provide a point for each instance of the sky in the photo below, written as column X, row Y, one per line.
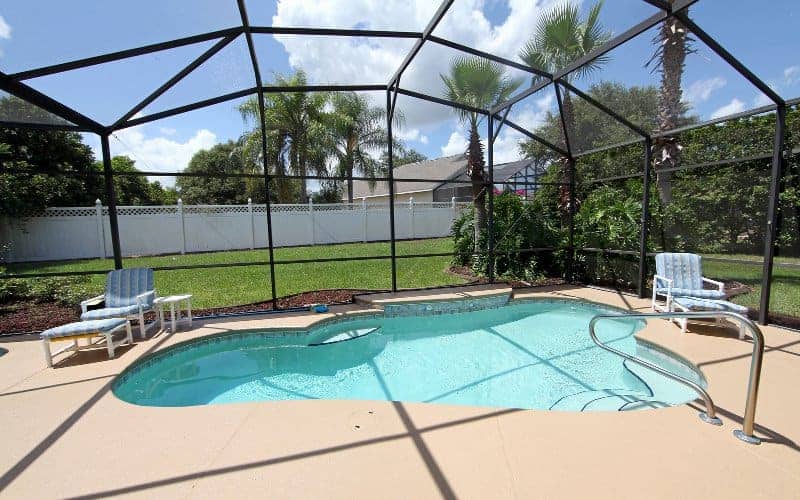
column 38, row 33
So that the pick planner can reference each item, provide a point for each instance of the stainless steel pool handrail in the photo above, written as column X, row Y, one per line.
column 748, row 424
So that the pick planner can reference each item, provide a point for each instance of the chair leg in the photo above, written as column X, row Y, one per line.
column 142, row 330
column 48, row 356
column 110, row 344
column 128, row 332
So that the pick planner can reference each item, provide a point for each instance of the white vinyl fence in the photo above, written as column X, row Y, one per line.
column 65, row 233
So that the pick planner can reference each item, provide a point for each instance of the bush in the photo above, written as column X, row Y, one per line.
column 67, row 291
column 517, row 228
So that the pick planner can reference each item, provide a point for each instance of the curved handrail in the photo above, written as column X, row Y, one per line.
column 746, row 434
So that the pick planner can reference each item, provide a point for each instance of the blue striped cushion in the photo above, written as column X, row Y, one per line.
column 714, row 305
column 81, row 327
column 684, row 292
column 110, row 312
column 684, row 269
column 123, row 285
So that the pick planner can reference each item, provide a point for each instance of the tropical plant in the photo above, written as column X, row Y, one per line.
column 673, row 44
column 297, row 140
column 357, row 133
column 479, row 84
column 562, row 36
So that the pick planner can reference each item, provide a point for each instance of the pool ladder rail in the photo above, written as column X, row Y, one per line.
column 710, row 415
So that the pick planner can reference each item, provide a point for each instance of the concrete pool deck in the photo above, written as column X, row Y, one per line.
column 66, row 435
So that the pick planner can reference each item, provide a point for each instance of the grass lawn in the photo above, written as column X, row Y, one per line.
column 785, row 295
column 243, row 285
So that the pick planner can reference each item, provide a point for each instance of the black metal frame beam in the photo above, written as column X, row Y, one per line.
column 435, row 20
column 773, row 212
column 123, row 54
column 333, row 32
column 47, row 103
column 645, row 220
column 205, row 56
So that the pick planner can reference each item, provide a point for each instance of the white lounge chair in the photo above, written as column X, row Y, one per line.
column 129, row 294
column 85, row 329
column 679, row 279
column 681, row 275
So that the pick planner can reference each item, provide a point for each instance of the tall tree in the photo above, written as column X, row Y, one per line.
column 357, row 133
column 562, row 36
column 45, row 168
column 478, row 83
column 205, row 189
column 672, row 46
column 295, row 130
column 132, row 189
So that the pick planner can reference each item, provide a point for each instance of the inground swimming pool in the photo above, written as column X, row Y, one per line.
column 526, row 354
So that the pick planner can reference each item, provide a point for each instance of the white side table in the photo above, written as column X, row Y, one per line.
column 172, row 300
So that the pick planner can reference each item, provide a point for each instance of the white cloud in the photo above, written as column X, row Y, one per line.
column 733, row 107
column 791, row 75
column 701, row 90
column 457, row 144
column 154, row 153
column 5, row 29
column 412, row 135
column 762, row 100
column 340, row 60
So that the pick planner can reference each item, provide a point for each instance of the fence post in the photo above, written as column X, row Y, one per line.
column 252, row 224
column 411, row 208
column 182, row 226
column 453, row 206
column 101, row 237
column 364, row 216
column 311, row 218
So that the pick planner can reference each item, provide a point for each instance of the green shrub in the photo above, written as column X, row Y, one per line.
column 67, row 291
column 517, row 227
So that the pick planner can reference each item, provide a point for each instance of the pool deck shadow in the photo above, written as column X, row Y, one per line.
column 67, row 435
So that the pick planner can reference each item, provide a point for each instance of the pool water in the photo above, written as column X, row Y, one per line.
column 534, row 354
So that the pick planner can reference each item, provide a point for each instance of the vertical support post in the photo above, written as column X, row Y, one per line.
column 453, row 206
column 772, row 212
column 490, row 188
column 571, row 180
column 311, row 221
column 390, row 140
column 182, row 224
column 252, row 224
column 648, row 151
column 101, row 237
column 112, row 201
column 365, row 218
column 411, row 216
column 268, row 208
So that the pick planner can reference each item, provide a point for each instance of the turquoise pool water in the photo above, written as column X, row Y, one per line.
column 535, row 354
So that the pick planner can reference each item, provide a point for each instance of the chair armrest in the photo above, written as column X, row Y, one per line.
column 657, row 278
column 140, row 299
column 718, row 284
column 86, row 302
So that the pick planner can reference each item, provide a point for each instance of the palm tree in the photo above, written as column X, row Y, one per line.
column 561, row 36
column 357, row 131
column 672, row 46
column 296, row 134
column 478, row 83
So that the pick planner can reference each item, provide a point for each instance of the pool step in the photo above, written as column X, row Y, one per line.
column 597, row 400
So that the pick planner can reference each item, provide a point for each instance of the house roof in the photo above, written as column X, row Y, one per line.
column 502, row 171
column 449, row 167
column 437, row 169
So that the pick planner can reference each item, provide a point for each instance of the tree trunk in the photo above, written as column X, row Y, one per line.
column 475, row 172
column 667, row 151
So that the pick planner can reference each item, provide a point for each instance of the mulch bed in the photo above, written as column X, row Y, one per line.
column 466, row 273
column 32, row 317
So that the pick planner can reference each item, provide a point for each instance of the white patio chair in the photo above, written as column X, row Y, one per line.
column 129, row 294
